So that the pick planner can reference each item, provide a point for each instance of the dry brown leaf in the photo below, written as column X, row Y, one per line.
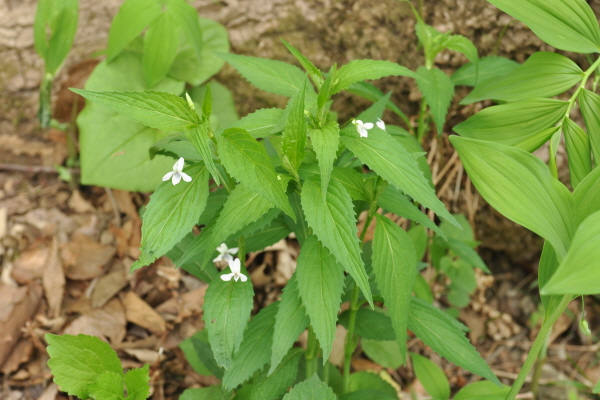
column 188, row 304
column 125, row 204
column 122, row 236
column 140, row 313
column 50, row 221
column 50, row 393
column 3, row 222
column 18, row 356
column 85, row 258
column 476, row 324
column 145, row 355
column 78, row 204
column 108, row 286
column 54, row 281
column 106, row 322
column 30, row 265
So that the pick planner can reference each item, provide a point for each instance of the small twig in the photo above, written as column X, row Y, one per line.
column 36, row 169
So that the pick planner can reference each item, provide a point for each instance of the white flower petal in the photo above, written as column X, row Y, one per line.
column 233, row 250
column 368, row 125
column 227, row 277
column 380, row 124
column 222, row 248
column 243, row 277
column 176, row 178
column 168, row 176
column 363, row 132
column 234, row 265
column 186, row 177
column 178, row 167
column 219, row 258
column 236, row 277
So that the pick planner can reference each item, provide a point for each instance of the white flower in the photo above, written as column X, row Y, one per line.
column 362, row 127
column 235, row 271
column 380, row 124
column 177, row 173
column 225, row 253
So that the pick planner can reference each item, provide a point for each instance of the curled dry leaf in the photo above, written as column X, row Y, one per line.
column 107, row 322
column 85, row 258
column 140, row 313
column 53, row 280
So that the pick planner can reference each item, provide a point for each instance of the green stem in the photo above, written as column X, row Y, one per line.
column 312, row 350
column 538, row 344
column 421, row 124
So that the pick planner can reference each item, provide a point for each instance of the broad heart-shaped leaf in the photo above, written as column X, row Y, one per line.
column 291, row 320
column 487, row 67
column 579, row 271
column 544, row 74
column 160, row 47
column 199, row 137
column 260, row 123
column 321, row 284
column 578, row 149
column 272, row 386
column 567, row 25
column 332, row 218
column 394, row 263
column 130, row 21
column 77, row 361
column 254, row 351
column 442, row 333
column 526, row 124
column 54, row 31
column 519, row 186
column 360, row 70
column 163, row 111
column 310, row 389
column 438, row 89
column 589, row 103
column 107, row 386
column 247, row 161
column 386, row 156
column 172, row 213
column 586, row 196
column 194, row 69
column 294, row 133
column 227, row 307
column 431, row 377
column 325, row 142
column 137, row 383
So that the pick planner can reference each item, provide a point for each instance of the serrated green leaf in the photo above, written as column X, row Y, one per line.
column 321, row 284
column 467, row 254
column 205, row 353
column 273, row 385
column 325, row 143
column 519, row 185
column 205, row 393
column 248, row 162
column 130, row 21
column 185, row 17
column 77, row 361
column 578, row 150
column 172, row 213
column 371, row 92
column 384, row 352
column 586, row 196
column 254, row 351
column 394, row 262
column 223, row 106
column 462, row 45
column 526, row 124
column 325, row 90
column 199, row 138
column 544, row 74
column 579, row 271
column 159, row 110
column 332, row 218
column 192, row 356
column 227, row 307
column 352, row 181
column 589, row 103
column 315, row 74
column 370, row 324
column 310, row 389
column 194, row 69
column 205, row 273
column 438, row 90
column 386, row 156
column 107, row 386
column 487, row 67
column 137, row 383
column 431, row 377
column 567, row 25
column 294, row 133
column 160, row 47
column 442, row 333
column 360, row 70
column 260, row 123
column 175, row 146
column 54, row 31
column 482, row 390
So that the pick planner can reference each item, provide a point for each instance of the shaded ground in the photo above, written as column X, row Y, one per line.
column 65, row 250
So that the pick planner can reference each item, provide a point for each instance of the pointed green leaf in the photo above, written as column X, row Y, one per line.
column 310, row 389
column 519, row 185
column 386, row 156
column 137, row 383
column 384, row 352
column 567, row 25
column 273, row 385
column 463, row 45
column 267, row 236
column 482, row 390
column 205, row 393
column 487, row 67
column 254, row 351
column 315, row 75
column 526, row 124
column 260, row 123
column 394, row 263
column 332, row 218
column 175, row 146
column 291, row 320
column 77, row 361
column 579, row 271
column 321, row 284
column 227, row 307
column 547, row 267
column 172, row 213
column 360, row 70
column 199, row 137
column 294, row 133
column 325, row 142
column 590, row 108
column 130, row 21
column 247, row 161
column 160, row 47
column 586, row 196
column 325, row 90
column 54, row 31
column 186, row 17
column 205, row 354
column 544, row 74
column 578, row 149
column 205, row 273
column 370, row 92
column 438, row 90
column 431, row 377
column 163, row 111
column 192, row 356
column 440, row 331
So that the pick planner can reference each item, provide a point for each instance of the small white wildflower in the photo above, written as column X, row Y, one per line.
column 380, row 124
column 225, row 253
column 177, row 175
column 362, row 127
column 235, row 267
